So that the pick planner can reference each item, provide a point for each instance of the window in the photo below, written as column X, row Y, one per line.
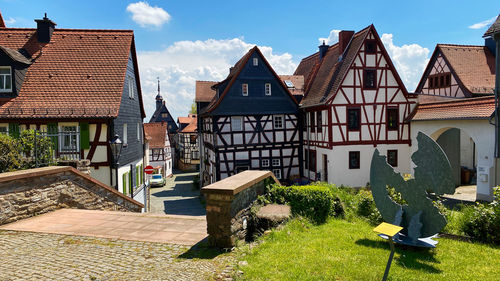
column 255, row 61
column 319, row 122
column 278, row 121
column 277, row 173
column 312, row 117
column 370, row 47
column 195, row 155
column 4, row 130
column 192, row 139
column 164, row 115
column 353, row 159
column 392, row 118
column 5, row 79
column 392, row 158
column 124, row 134
column 353, row 119
column 265, row 162
column 236, row 123
column 306, row 156
column 448, row 80
column 276, row 162
column 312, row 160
column 441, row 80
column 244, row 89
column 138, row 131
column 370, row 79
column 131, row 87
column 69, row 138
column 268, row 89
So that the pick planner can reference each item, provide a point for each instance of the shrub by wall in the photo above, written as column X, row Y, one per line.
column 483, row 222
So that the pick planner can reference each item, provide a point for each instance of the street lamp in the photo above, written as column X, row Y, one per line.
column 116, row 148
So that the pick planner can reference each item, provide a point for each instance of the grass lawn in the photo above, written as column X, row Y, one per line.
column 350, row 250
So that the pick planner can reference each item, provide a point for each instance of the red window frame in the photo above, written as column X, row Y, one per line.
column 367, row 72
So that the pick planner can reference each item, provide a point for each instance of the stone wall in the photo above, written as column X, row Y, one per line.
column 228, row 205
column 32, row 192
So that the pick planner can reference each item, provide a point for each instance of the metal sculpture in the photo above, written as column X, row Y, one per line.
column 419, row 218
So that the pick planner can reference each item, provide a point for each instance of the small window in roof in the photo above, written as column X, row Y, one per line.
column 255, row 61
column 289, row 84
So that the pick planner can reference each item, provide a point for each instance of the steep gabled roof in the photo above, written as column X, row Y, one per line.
column 204, row 91
column 191, row 121
column 158, row 134
column 233, row 75
column 494, row 28
column 79, row 74
column 324, row 77
column 473, row 108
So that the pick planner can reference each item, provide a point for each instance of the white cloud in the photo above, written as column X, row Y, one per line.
column 332, row 38
column 482, row 24
column 181, row 64
column 10, row 21
column 145, row 15
column 410, row 60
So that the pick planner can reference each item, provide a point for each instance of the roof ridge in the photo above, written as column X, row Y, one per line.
column 68, row 29
column 463, row 100
column 459, row 45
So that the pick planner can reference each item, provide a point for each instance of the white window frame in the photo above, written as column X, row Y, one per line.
column 276, row 162
column 6, row 77
column 131, row 93
column 277, row 173
column 276, row 118
column 138, row 131
column 233, row 124
column 268, row 89
column 6, row 127
column 255, row 61
column 265, row 163
column 72, row 135
column 125, row 134
column 244, row 89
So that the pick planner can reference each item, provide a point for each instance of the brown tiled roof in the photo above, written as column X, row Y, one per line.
column 323, row 77
column 192, row 126
column 79, row 74
column 158, row 133
column 494, row 28
column 471, row 108
column 474, row 66
column 297, row 81
column 204, row 91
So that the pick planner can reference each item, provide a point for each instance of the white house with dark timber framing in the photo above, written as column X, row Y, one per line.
column 64, row 81
column 189, row 150
column 252, row 122
column 159, row 150
column 354, row 102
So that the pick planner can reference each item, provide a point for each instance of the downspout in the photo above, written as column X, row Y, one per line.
column 496, row 37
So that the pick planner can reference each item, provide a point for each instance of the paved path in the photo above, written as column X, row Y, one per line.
column 177, row 197
column 41, row 256
column 181, row 230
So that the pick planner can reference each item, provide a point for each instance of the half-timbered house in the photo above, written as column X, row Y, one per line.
column 252, row 122
column 354, row 102
column 65, row 82
column 189, row 151
column 160, row 156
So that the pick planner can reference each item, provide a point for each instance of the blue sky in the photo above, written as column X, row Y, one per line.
column 184, row 41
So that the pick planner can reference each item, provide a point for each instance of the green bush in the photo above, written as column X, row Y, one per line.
column 10, row 157
column 483, row 222
column 315, row 202
column 366, row 207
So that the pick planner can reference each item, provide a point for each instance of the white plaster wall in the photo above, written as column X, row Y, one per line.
column 102, row 174
column 482, row 133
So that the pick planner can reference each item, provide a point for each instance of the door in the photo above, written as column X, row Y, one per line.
column 325, row 168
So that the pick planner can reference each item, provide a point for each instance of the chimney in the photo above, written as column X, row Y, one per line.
column 491, row 45
column 344, row 39
column 322, row 50
column 44, row 29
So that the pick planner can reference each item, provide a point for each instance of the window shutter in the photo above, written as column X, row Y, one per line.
column 142, row 174
column 14, row 130
column 52, row 131
column 84, row 136
column 124, row 179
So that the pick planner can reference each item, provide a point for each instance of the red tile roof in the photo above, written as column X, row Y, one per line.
column 472, row 108
column 297, row 81
column 193, row 123
column 204, row 91
column 474, row 66
column 79, row 74
column 157, row 132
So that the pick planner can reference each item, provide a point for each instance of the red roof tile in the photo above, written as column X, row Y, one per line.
column 158, row 133
column 204, row 91
column 79, row 74
column 472, row 108
column 474, row 66
column 193, row 123
column 297, row 81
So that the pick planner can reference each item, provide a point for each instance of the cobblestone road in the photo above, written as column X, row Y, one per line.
column 38, row 256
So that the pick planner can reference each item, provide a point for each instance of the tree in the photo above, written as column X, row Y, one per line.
column 193, row 108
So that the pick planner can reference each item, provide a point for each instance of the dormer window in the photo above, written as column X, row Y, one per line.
column 255, row 61
column 5, row 79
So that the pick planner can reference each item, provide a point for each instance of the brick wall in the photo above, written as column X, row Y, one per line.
column 32, row 192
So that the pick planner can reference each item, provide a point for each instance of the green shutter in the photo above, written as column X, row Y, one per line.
column 84, row 136
column 14, row 130
column 124, row 179
column 53, row 133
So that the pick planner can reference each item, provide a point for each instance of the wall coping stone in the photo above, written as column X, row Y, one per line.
column 237, row 183
column 39, row 172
